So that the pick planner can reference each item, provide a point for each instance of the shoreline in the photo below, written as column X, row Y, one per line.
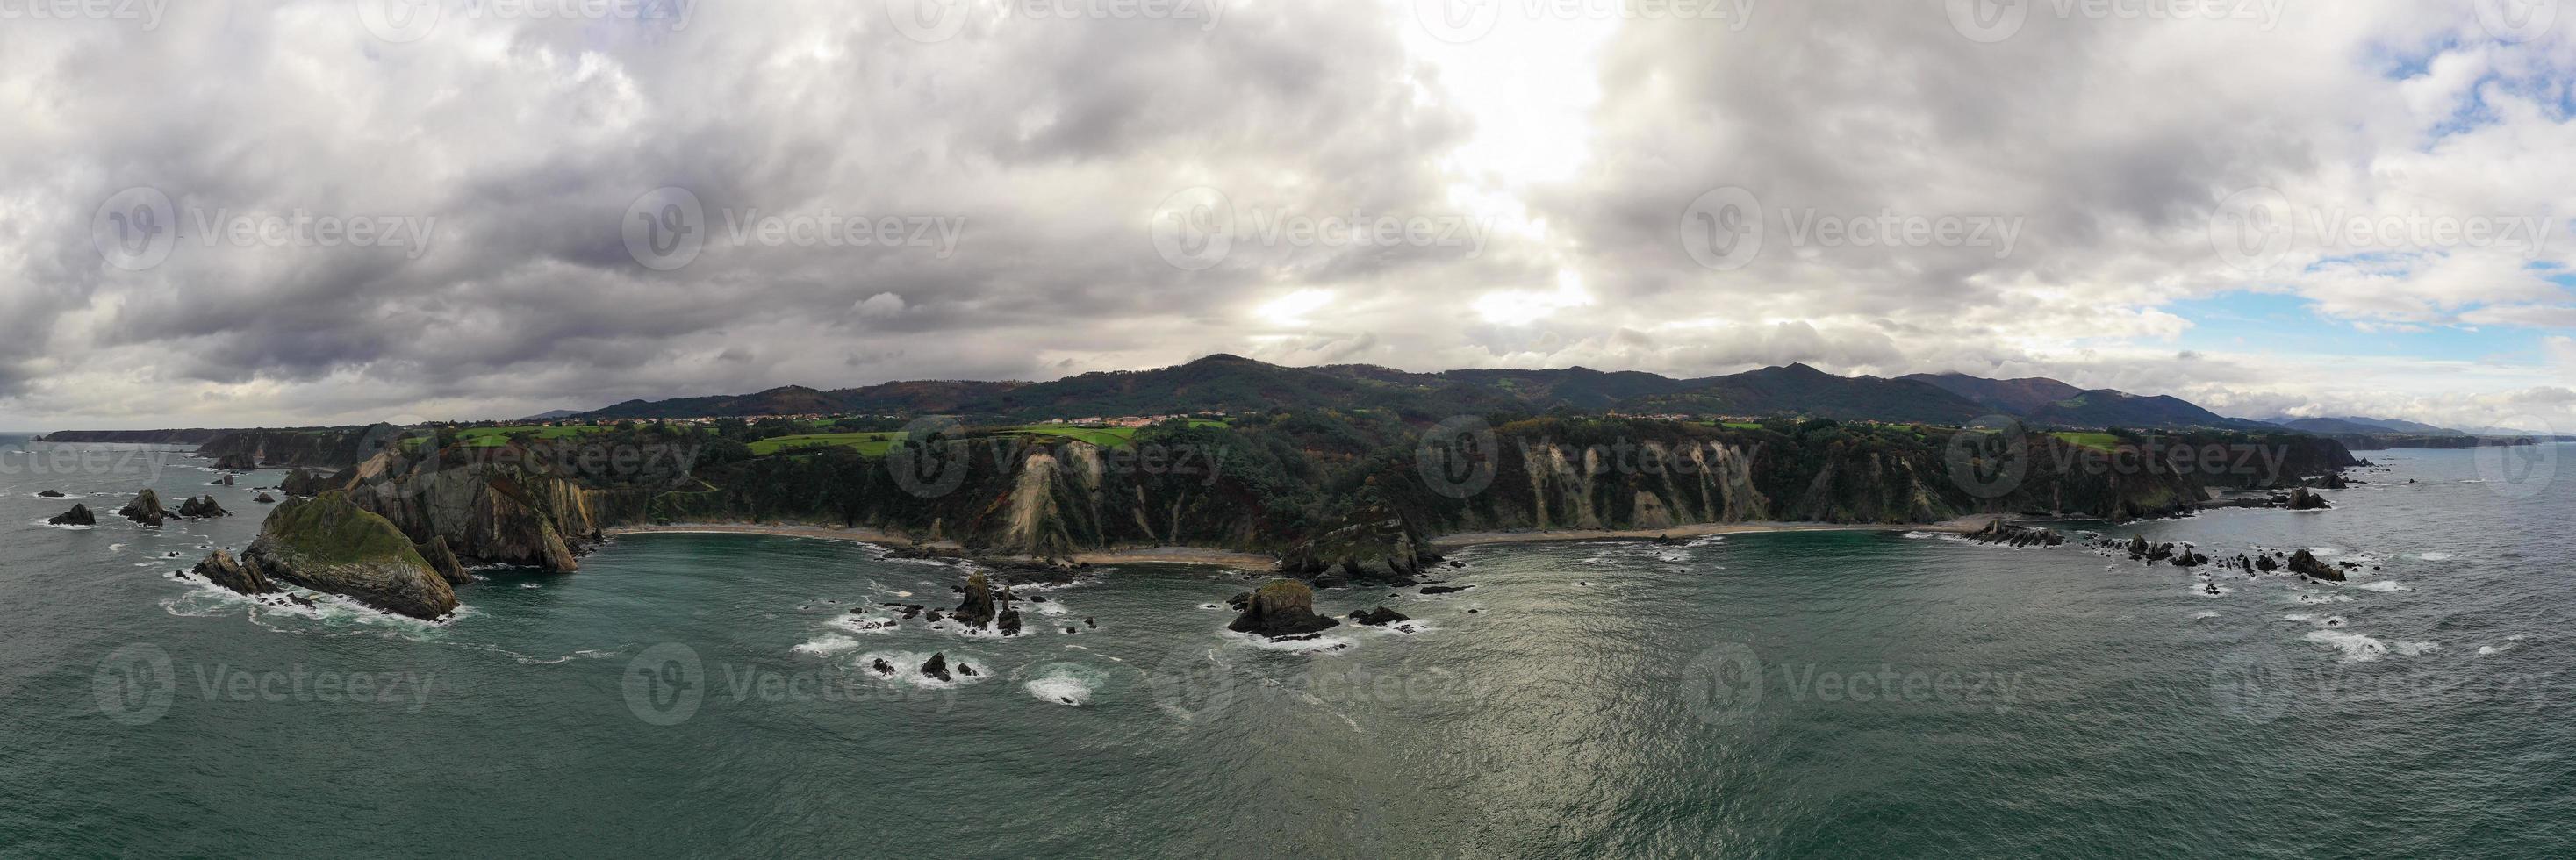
column 1464, row 540
column 1262, row 563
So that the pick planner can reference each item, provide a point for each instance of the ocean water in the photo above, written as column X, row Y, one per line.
column 1789, row 695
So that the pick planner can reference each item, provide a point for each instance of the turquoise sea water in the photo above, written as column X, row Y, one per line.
column 1790, row 695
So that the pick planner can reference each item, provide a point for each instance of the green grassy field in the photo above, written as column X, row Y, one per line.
column 494, row 437
column 867, row 444
column 2103, row 442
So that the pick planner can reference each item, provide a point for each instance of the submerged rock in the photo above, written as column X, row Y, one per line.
column 145, row 509
column 79, row 515
column 1283, row 607
column 50, row 494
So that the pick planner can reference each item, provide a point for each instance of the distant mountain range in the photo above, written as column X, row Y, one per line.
column 1227, row 383
column 2365, row 426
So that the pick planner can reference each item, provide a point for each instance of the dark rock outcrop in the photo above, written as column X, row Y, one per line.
column 936, row 667
column 50, row 494
column 1378, row 617
column 222, row 569
column 1374, row 547
column 202, row 508
column 145, row 509
column 327, row 543
column 1282, row 607
column 2000, row 532
column 977, row 609
column 2305, row 564
column 79, row 515
column 266, row 499
column 236, row 462
column 303, row 483
column 2304, row 499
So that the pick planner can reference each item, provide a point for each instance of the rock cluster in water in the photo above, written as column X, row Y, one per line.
column 2000, row 532
column 145, row 509
column 202, row 508
column 328, row 544
column 79, row 515
column 1281, row 607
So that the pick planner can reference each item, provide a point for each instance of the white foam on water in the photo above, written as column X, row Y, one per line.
column 1711, row 540
column 1323, row 643
column 907, row 669
column 1052, row 608
column 2415, row 649
column 2205, row 613
column 869, row 624
column 64, row 528
column 826, row 646
column 1063, row 685
column 1918, row 535
column 2434, row 556
column 2491, row 650
column 2384, row 585
column 2355, row 647
column 2298, row 616
column 530, row 585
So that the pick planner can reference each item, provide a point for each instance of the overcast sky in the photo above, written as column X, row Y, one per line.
column 259, row 213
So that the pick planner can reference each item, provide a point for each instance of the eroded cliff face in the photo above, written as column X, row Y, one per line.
column 329, row 449
column 327, row 543
column 488, row 505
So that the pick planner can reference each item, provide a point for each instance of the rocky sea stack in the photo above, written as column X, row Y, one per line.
column 79, row 515
column 2304, row 499
column 202, row 508
column 329, row 544
column 1282, row 607
column 145, row 509
column 303, row 483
